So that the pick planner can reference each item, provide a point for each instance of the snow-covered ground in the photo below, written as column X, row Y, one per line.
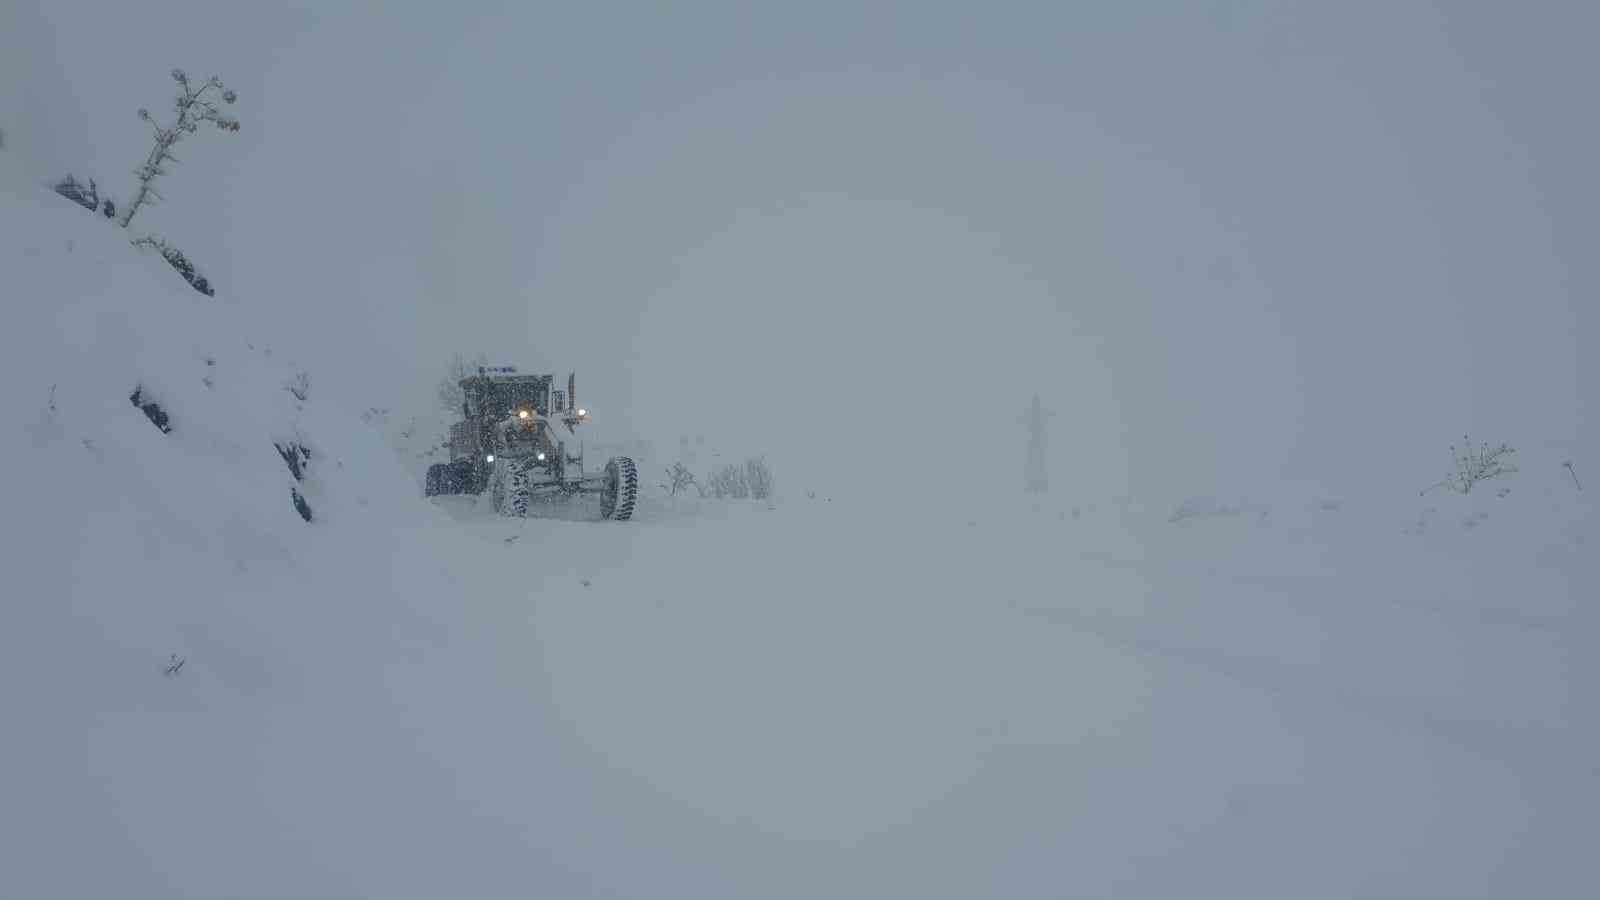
column 866, row 695
column 888, row 681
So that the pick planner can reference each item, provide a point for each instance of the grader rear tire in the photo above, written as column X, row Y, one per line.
column 620, row 490
column 439, row 481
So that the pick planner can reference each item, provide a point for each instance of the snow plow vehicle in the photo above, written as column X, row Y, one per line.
column 512, row 442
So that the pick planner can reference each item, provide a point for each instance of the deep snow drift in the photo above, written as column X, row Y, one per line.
column 883, row 694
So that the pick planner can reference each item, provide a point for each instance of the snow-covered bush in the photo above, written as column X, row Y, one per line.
column 151, row 409
column 1474, row 464
column 86, row 197
column 177, row 260
column 752, row 479
column 759, row 477
column 728, row 481
column 1212, row 508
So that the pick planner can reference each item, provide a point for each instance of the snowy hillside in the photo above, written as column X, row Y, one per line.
column 130, row 549
column 855, row 696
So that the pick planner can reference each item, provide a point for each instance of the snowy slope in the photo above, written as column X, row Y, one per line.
column 287, row 755
column 887, row 694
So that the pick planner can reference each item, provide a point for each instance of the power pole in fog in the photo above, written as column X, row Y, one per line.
column 1035, row 472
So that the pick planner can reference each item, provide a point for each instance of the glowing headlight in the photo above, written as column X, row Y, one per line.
column 540, row 457
column 523, row 414
column 582, row 412
column 489, row 458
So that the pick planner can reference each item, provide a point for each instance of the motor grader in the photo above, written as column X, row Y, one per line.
column 515, row 441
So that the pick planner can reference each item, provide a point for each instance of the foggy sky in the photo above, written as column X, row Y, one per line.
column 1225, row 242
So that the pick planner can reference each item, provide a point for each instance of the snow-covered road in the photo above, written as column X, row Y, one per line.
column 827, row 699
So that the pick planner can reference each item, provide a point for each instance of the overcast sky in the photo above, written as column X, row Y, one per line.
column 1225, row 242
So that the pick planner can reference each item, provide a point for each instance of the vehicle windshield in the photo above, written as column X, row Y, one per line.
column 501, row 399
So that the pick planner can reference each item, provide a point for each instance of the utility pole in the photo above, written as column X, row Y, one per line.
column 1035, row 470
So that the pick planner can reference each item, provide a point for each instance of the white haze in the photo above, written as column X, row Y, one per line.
column 1225, row 244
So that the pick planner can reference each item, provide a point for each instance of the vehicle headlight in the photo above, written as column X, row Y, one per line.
column 523, row 414
column 540, row 457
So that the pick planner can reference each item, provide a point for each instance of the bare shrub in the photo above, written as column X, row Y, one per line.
column 195, row 104
column 682, row 479
column 299, row 386
column 1474, row 464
